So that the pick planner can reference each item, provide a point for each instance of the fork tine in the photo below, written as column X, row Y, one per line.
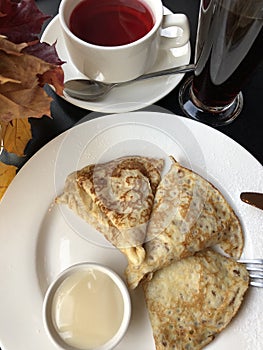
column 251, row 261
column 255, row 270
column 252, row 268
column 256, row 275
column 258, row 283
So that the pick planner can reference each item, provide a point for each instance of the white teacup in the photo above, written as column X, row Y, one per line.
column 128, row 61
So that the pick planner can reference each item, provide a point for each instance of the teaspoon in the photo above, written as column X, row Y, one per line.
column 90, row 90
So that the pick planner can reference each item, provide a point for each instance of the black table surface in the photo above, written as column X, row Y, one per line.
column 246, row 129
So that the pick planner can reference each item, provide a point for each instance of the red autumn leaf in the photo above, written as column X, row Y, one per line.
column 54, row 77
column 17, row 25
column 21, row 21
column 44, row 51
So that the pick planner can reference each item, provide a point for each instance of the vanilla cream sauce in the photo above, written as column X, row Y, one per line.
column 87, row 309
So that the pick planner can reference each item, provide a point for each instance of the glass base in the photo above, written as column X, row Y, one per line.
column 213, row 116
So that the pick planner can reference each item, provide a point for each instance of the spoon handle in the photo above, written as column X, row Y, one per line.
column 175, row 70
column 91, row 90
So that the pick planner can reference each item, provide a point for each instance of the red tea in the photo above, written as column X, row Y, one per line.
column 111, row 22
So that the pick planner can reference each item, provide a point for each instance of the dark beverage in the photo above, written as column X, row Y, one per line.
column 111, row 22
column 229, row 48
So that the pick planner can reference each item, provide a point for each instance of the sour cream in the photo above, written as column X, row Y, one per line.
column 88, row 308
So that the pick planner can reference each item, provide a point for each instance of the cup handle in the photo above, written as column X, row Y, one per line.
column 181, row 23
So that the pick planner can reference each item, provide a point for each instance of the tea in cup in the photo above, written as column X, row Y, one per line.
column 118, row 40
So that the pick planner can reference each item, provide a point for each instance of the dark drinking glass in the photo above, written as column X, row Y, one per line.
column 228, row 49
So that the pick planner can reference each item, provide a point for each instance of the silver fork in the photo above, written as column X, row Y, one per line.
column 255, row 270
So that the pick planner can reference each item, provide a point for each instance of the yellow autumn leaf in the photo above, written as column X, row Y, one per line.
column 7, row 173
column 16, row 135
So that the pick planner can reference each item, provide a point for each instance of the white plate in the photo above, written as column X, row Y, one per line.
column 127, row 98
column 37, row 243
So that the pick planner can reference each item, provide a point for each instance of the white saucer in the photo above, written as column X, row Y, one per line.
column 124, row 99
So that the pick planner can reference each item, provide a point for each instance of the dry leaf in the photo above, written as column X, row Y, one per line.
column 26, row 65
column 4, row 80
column 21, row 96
column 20, row 20
column 7, row 173
column 16, row 135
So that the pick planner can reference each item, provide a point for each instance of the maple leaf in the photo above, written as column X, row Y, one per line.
column 26, row 65
column 4, row 80
column 17, row 25
column 21, row 21
column 22, row 96
column 7, row 173
column 16, row 135
column 44, row 51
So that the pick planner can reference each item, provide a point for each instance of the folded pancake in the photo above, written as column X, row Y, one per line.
column 116, row 198
column 123, row 188
column 192, row 300
column 189, row 214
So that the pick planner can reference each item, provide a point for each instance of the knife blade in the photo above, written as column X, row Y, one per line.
column 253, row 198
